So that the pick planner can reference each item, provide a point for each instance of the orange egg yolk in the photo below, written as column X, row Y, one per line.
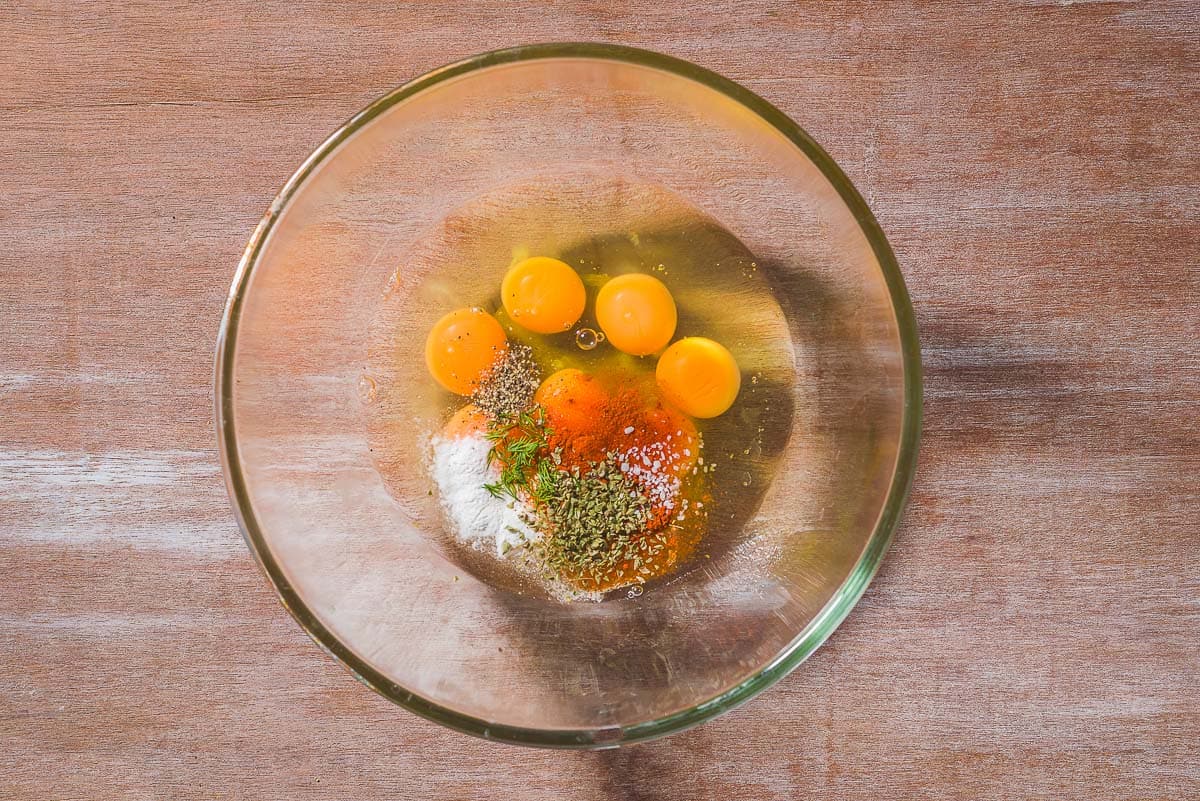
column 544, row 295
column 699, row 376
column 636, row 313
column 591, row 418
column 462, row 347
column 575, row 404
column 469, row 421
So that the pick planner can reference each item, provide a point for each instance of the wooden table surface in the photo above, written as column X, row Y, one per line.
column 1035, row 630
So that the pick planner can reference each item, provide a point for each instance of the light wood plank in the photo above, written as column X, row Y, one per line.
column 1035, row 630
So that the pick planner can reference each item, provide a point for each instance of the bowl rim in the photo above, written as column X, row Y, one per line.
column 819, row 628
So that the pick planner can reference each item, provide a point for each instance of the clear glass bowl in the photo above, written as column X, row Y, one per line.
column 362, row 566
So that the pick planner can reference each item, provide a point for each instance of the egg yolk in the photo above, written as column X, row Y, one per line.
column 575, row 404
column 462, row 347
column 590, row 417
column 469, row 421
column 637, row 313
column 544, row 295
column 699, row 376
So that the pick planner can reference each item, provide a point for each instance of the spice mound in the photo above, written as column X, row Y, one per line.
column 593, row 478
column 596, row 484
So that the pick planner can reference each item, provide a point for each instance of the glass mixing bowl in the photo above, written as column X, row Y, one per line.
column 349, row 536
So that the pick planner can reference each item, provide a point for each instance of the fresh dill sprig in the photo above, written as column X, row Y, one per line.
column 521, row 448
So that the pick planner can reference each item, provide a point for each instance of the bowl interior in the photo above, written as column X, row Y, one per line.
column 322, row 419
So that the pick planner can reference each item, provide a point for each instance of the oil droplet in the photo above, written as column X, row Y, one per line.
column 588, row 338
column 366, row 389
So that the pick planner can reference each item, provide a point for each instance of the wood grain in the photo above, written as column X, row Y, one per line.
column 1035, row 631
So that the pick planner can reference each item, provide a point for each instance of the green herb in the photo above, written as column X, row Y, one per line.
column 521, row 447
column 592, row 519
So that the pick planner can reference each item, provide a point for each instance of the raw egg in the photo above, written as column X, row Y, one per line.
column 574, row 391
column 637, row 313
column 544, row 295
column 462, row 347
column 699, row 376
column 469, row 421
column 576, row 406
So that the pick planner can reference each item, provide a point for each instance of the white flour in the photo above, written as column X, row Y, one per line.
column 460, row 470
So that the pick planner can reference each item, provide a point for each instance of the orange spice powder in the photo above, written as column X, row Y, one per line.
column 656, row 445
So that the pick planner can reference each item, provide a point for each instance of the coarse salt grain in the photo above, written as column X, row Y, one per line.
column 662, row 486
